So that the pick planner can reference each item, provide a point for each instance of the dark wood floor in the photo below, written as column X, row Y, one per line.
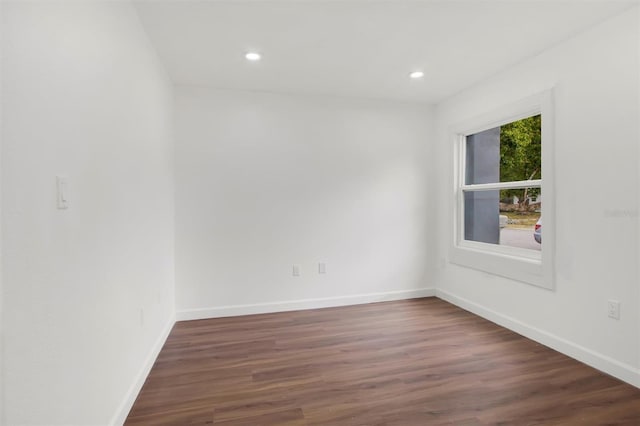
column 413, row 362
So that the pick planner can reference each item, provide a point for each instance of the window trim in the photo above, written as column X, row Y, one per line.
column 524, row 265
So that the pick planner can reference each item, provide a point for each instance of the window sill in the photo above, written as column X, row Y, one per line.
column 528, row 269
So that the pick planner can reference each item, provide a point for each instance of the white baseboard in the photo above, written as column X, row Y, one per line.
column 296, row 305
column 615, row 368
column 123, row 411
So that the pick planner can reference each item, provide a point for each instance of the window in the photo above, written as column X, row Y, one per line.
column 500, row 163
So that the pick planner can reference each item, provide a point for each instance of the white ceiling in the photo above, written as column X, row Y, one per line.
column 356, row 47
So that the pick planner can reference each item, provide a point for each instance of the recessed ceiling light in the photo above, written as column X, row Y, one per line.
column 416, row 74
column 253, row 56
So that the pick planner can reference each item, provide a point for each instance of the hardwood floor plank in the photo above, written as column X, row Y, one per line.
column 291, row 417
column 412, row 362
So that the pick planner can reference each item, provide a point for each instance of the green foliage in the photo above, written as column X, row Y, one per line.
column 521, row 154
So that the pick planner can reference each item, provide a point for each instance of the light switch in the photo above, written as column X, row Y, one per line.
column 63, row 192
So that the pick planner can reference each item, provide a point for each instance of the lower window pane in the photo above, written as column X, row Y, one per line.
column 508, row 218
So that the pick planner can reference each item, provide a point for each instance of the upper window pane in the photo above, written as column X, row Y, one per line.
column 511, row 152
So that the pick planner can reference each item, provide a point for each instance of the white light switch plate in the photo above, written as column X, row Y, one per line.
column 62, row 192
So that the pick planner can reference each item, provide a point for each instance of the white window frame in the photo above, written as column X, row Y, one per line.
column 524, row 265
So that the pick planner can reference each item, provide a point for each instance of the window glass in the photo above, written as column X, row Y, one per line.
column 504, row 214
column 521, row 150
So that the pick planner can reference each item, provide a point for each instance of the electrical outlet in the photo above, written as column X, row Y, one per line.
column 296, row 270
column 322, row 268
column 613, row 309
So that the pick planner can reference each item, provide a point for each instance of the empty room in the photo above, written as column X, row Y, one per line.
column 319, row 212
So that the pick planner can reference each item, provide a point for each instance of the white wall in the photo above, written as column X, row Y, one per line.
column 83, row 95
column 595, row 78
column 637, row 213
column 266, row 181
column 2, row 378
